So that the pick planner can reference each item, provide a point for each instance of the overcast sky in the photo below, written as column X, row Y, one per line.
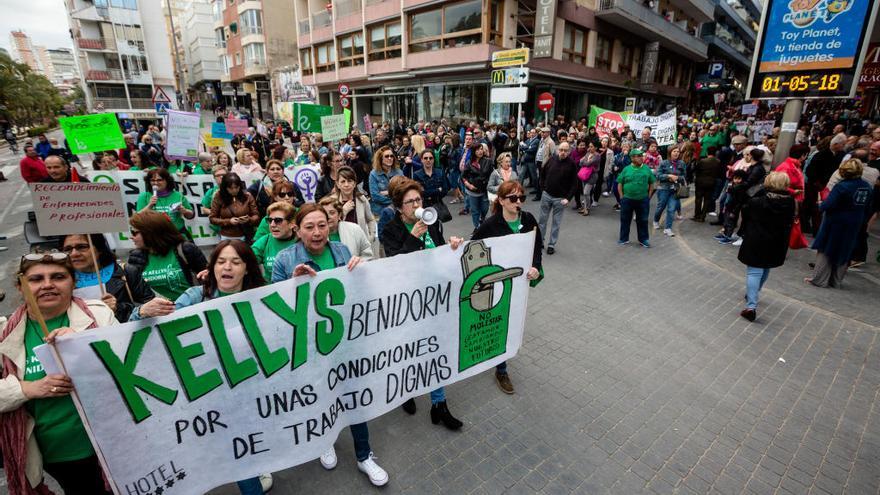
column 45, row 21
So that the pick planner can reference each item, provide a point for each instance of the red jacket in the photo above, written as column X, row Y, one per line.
column 33, row 169
column 792, row 168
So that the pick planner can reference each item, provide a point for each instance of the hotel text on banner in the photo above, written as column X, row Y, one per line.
column 78, row 208
column 267, row 379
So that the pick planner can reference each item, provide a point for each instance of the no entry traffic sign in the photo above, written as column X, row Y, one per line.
column 545, row 102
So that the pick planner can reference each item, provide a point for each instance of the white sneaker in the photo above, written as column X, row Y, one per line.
column 656, row 225
column 266, row 482
column 668, row 233
column 594, row 204
column 328, row 459
column 377, row 475
column 713, row 214
column 606, row 194
column 738, row 242
column 679, row 217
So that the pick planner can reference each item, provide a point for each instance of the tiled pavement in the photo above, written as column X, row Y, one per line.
column 638, row 376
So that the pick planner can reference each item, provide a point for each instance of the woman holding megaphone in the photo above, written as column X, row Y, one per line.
column 414, row 228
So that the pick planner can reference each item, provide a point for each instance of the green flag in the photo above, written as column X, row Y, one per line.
column 307, row 117
column 92, row 133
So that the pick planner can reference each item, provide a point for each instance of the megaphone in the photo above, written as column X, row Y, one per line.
column 427, row 215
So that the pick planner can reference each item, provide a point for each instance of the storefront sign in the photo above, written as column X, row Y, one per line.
column 811, row 48
column 510, row 77
column 649, row 64
column 518, row 94
column 267, row 379
column 92, row 133
column 78, row 208
column 870, row 77
column 545, row 25
column 510, row 58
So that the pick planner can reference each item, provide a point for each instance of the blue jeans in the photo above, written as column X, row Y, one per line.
column 361, row 436
column 438, row 395
column 666, row 200
column 755, row 278
column 549, row 203
column 479, row 206
column 501, row 369
column 250, row 486
column 640, row 208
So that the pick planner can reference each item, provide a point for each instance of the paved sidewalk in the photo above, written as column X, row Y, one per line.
column 638, row 376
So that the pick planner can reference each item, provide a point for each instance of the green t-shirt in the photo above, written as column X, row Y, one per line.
column 58, row 429
column 206, row 204
column 163, row 205
column 515, row 226
column 426, row 237
column 324, row 260
column 165, row 275
column 709, row 140
column 267, row 247
column 263, row 228
column 635, row 181
column 199, row 170
column 334, row 236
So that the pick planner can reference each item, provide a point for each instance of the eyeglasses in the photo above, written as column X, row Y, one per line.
column 135, row 233
column 513, row 198
column 53, row 256
column 431, row 158
column 413, row 201
column 278, row 220
column 387, row 156
column 285, row 195
column 75, row 247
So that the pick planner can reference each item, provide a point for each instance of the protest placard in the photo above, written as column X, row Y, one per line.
column 663, row 127
column 267, row 379
column 182, row 141
column 307, row 117
column 606, row 121
column 284, row 111
column 305, row 177
column 212, row 141
column 218, row 131
column 333, row 127
column 193, row 187
column 78, row 208
column 92, row 133
column 236, row 126
column 749, row 109
column 763, row 128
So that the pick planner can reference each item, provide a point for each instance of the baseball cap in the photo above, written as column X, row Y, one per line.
column 636, row 152
column 545, row 129
column 739, row 140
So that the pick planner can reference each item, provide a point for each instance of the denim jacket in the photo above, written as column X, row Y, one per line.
column 667, row 168
column 435, row 185
column 287, row 259
column 379, row 182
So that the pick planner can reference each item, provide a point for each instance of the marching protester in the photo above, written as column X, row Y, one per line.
column 161, row 195
column 384, row 168
column 670, row 177
column 283, row 192
column 31, row 165
column 635, row 184
column 706, row 173
column 316, row 252
column 245, row 163
column 406, row 233
column 475, row 178
column 59, row 170
column 261, row 190
column 559, row 181
column 508, row 218
column 345, row 232
column 355, row 206
column 234, row 210
column 279, row 217
column 330, row 164
column 41, row 429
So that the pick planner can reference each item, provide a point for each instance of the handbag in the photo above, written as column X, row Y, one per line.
column 584, row 173
column 796, row 239
column 683, row 191
column 443, row 213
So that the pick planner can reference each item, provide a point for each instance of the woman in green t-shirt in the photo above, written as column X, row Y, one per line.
column 38, row 414
column 279, row 217
column 283, row 192
column 162, row 195
column 167, row 262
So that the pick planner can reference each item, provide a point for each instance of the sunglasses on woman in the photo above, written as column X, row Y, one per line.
column 514, row 198
column 278, row 220
column 285, row 194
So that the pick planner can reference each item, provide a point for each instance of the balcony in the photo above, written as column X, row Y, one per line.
column 345, row 8
column 635, row 17
column 303, row 27
column 730, row 45
column 104, row 75
column 321, row 19
column 99, row 44
column 122, row 103
column 255, row 68
column 742, row 25
column 700, row 10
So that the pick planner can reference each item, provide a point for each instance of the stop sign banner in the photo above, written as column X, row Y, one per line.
column 545, row 102
column 606, row 121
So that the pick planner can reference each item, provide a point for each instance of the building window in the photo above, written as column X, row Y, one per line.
column 124, row 4
column 237, row 58
column 326, row 57
column 251, row 22
column 254, row 55
column 218, row 10
column 447, row 27
column 603, row 53
column 220, row 38
column 626, row 60
column 385, row 41
column 305, row 60
column 574, row 44
column 224, row 64
column 496, row 22
column 351, row 49
column 661, row 69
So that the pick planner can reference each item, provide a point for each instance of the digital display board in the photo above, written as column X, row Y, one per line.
column 810, row 48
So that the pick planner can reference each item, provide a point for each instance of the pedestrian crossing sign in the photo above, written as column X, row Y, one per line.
column 162, row 108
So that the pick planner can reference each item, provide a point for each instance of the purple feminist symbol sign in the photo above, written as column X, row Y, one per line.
column 306, row 179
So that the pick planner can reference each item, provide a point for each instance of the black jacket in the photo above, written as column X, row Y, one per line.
column 140, row 291
column 325, row 187
column 767, row 221
column 478, row 178
column 495, row 226
column 559, row 177
column 396, row 239
column 188, row 255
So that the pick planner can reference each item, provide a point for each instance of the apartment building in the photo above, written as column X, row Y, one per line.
column 731, row 38
column 121, row 48
column 252, row 36
column 201, row 66
column 430, row 60
column 23, row 51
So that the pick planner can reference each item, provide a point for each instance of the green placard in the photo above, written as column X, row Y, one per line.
column 92, row 133
column 307, row 117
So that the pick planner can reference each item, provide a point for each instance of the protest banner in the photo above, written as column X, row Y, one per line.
column 267, row 379
column 606, row 121
column 78, row 208
column 92, row 133
column 284, row 111
column 218, row 131
column 749, row 109
column 193, row 188
column 212, row 141
column 182, row 141
column 236, row 126
column 664, row 127
column 333, row 127
column 305, row 177
column 307, row 117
